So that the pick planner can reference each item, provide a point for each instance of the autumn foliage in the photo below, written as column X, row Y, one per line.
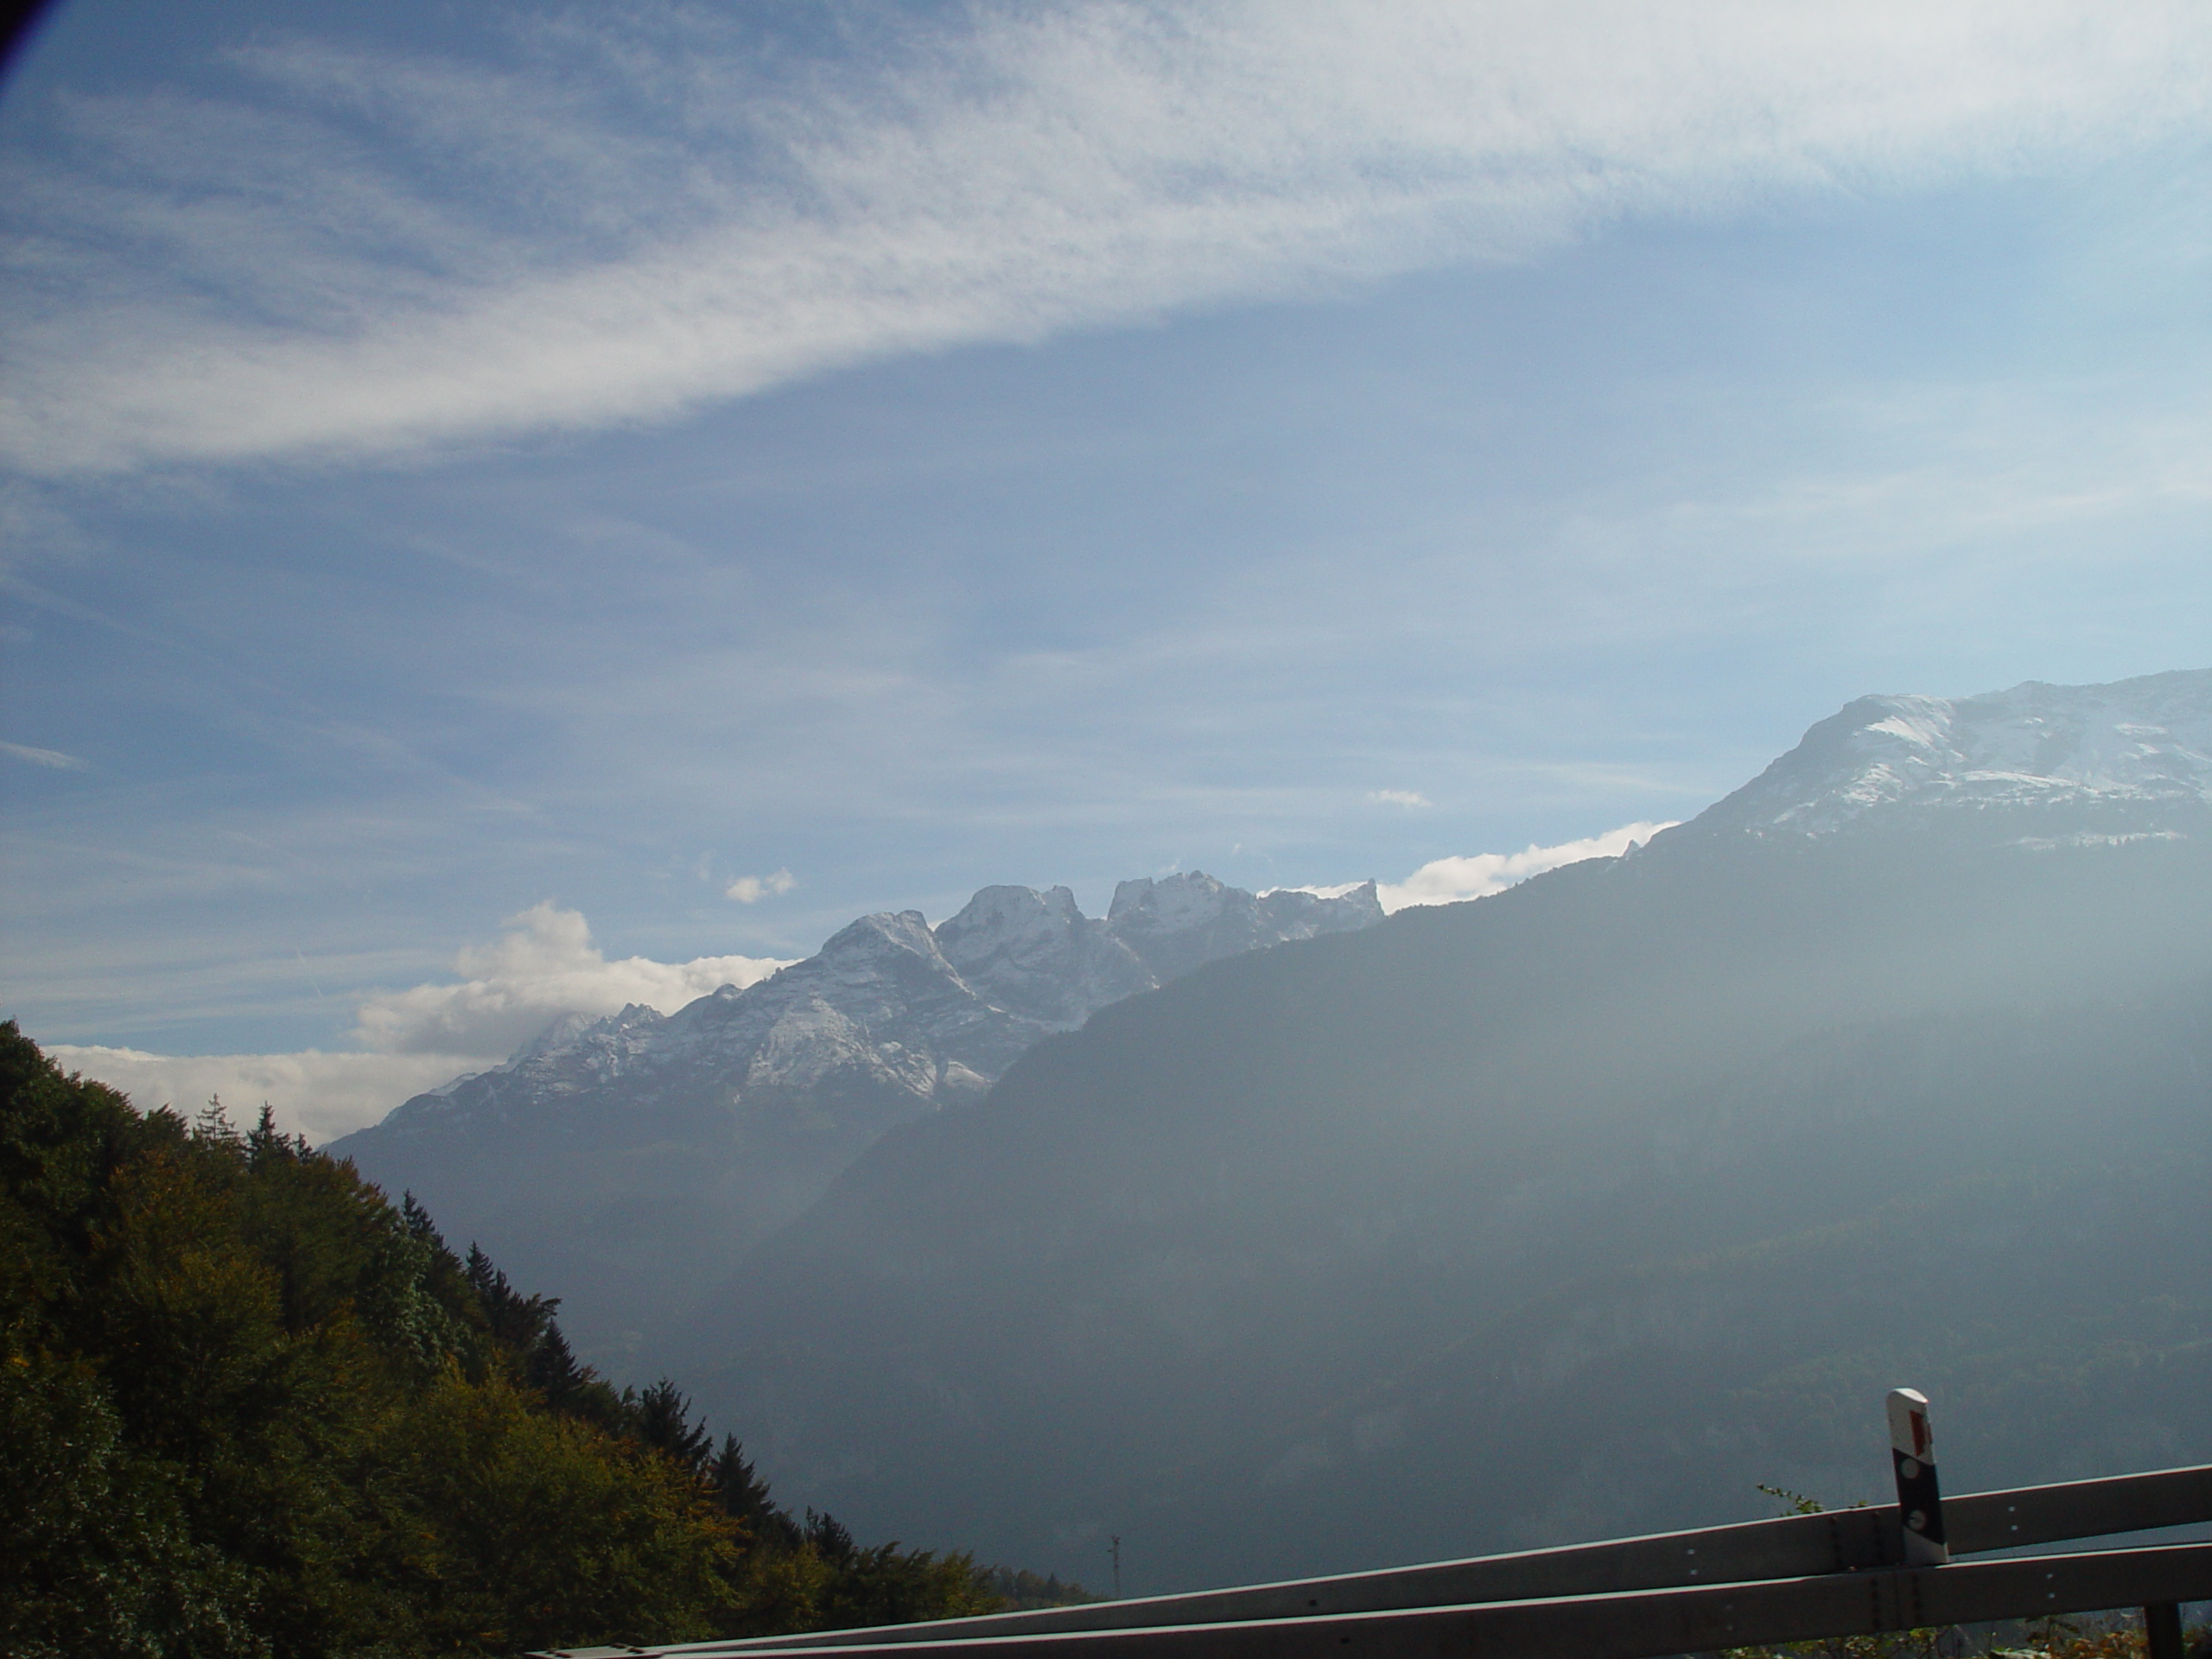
column 250, row 1406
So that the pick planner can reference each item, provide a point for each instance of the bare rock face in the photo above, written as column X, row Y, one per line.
column 1184, row 921
column 1038, row 957
column 629, row 1160
column 1035, row 954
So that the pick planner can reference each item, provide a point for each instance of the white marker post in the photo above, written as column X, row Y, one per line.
column 1920, row 1505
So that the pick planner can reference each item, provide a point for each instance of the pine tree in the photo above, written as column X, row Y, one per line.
column 830, row 1540
column 661, row 1420
column 552, row 1368
column 418, row 1222
column 264, row 1140
column 213, row 1124
column 743, row 1493
column 514, row 1321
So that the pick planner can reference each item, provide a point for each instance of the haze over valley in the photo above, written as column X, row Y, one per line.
column 817, row 813
column 1294, row 1239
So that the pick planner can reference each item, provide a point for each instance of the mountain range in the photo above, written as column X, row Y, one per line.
column 631, row 1160
column 1584, row 1209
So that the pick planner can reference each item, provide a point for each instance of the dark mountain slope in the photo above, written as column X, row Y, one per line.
column 2056, row 1298
column 1145, row 1285
column 633, row 1159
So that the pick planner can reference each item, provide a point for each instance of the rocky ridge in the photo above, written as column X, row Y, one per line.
column 1461, row 1233
column 890, row 1004
column 2136, row 751
column 628, row 1159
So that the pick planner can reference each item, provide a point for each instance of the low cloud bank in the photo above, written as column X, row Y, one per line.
column 1453, row 880
column 1450, row 881
column 314, row 1094
column 543, row 967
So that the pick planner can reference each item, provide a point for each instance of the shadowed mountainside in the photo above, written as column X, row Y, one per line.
column 634, row 1159
column 1575, row 1210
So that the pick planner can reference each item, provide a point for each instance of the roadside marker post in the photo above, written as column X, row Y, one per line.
column 2162, row 1629
column 1920, row 1513
column 1920, row 1504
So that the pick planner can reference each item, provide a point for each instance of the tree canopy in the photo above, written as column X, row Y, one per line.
column 248, row 1407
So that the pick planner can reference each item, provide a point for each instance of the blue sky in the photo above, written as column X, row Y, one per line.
column 466, row 464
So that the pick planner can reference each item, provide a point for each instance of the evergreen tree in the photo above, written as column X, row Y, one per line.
column 829, row 1537
column 740, row 1489
column 661, row 1418
column 515, row 1321
column 418, row 1222
column 552, row 1368
column 264, row 1140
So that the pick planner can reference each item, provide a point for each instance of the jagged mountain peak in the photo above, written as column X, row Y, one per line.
column 563, row 1031
column 904, row 931
column 1008, row 920
column 1295, row 913
column 1035, row 955
column 2124, row 750
column 1182, row 899
column 1179, row 922
column 751, row 1100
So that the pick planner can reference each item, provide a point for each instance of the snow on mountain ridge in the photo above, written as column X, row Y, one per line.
column 2138, row 743
column 633, row 1159
column 895, row 1011
column 1038, row 955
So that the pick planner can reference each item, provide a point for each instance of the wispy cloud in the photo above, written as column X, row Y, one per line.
column 1405, row 797
column 752, row 889
column 372, row 254
column 1450, row 881
column 52, row 758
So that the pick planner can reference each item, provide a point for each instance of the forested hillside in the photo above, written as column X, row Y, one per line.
column 250, row 1406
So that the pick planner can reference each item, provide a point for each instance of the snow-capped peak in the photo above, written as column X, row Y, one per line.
column 1187, row 899
column 2131, row 746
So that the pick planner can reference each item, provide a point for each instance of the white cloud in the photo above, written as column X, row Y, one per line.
column 545, row 966
column 52, row 758
column 1449, row 880
column 1405, row 797
column 314, row 1094
column 752, row 889
column 419, row 1039
column 634, row 221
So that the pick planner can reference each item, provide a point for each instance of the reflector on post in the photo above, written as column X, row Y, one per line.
column 1912, row 1454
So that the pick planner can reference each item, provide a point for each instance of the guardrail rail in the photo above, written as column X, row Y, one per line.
column 1843, row 1572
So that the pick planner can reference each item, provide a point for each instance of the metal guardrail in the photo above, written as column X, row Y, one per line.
column 1642, row 1625
column 1757, row 1583
column 1798, row 1546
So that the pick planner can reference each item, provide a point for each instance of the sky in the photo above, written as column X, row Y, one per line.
column 513, row 509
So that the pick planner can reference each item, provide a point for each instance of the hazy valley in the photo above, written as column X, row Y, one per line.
column 574, row 577
column 632, row 1160
column 1577, row 1209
